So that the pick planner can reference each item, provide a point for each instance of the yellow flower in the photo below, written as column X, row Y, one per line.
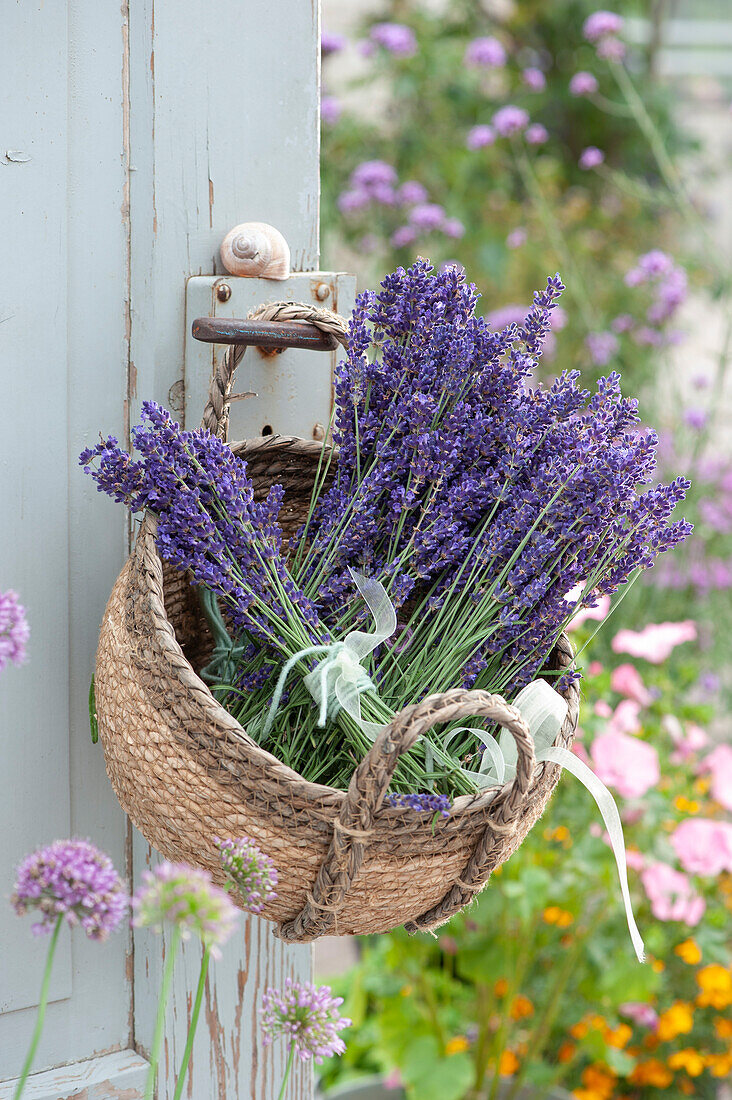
column 685, row 805
column 566, row 1052
column 406, row 991
column 715, row 982
column 702, row 784
column 554, row 915
column 689, row 951
column 456, row 1045
column 652, row 1073
column 600, row 1079
column 579, row 1030
column 677, row 1020
column 508, row 1064
column 723, row 1027
column 521, row 1008
column 658, row 965
column 720, row 1065
column 619, row 1036
column 689, row 1060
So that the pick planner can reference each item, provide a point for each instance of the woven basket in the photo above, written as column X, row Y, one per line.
column 185, row 771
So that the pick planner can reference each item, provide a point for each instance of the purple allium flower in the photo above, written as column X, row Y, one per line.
column 602, row 346
column 422, row 802
column 611, row 49
column 600, row 24
column 411, row 192
column 350, row 201
column 175, row 893
column 696, row 419
column 510, row 120
column 480, row 136
column 330, row 109
column 14, row 630
column 308, row 1018
column 74, row 880
column 251, row 871
column 583, row 83
column 427, row 216
column 395, row 38
column 453, row 227
column 534, row 79
column 372, row 173
column 331, row 43
column 485, row 53
column 536, row 134
column 516, row 238
column 591, row 157
column 403, row 236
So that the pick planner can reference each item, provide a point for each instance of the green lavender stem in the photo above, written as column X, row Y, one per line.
column 288, row 1068
column 193, row 1024
column 43, row 1001
column 157, row 1044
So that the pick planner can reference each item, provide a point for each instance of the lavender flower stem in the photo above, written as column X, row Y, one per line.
column 157, row 1044
column 288, row 1069
column 193, row 1024
column 42, row 1003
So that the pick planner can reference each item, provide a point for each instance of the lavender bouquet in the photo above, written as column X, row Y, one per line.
column 474, row 500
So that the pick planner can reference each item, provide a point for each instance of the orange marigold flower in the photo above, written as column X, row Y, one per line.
column 715, row 982
column 456, row 1045
column 720, row 1065
column 687, row 1086
column 508, row 1064
column 619, row 1036
column 652, row 1073
column 676, row 1020
column 723, row 1027
column 689, row 1060
column 521, row 1008
column 566, row 1052
column 600, row 1078
column 689, row 951
column 561, row 917
column 579, row 1030
column 500, row 989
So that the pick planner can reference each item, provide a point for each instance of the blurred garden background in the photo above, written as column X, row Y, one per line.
column 518, row 138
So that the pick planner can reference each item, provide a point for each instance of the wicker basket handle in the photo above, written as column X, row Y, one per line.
column 216, row 412
column 353, row 829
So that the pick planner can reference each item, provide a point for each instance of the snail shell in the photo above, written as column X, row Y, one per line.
column 256, row 250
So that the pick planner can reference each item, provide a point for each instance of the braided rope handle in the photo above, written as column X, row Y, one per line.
column 216, row 413
column 354, row 827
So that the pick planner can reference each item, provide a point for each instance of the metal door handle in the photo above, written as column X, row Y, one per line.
column 262, row 334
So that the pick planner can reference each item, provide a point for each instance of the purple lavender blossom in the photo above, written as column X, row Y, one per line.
column 536, row 134
column 602, row 346
column 395, row 38
column 73, row 880
column 422, row 802
column 583, row 83
column 14, row 630
column 485, row 53
column 331, row 43
column 427, row 216
column 174, row 893
column 510, row 120
column 308, row 1018
column 480, row 136
column 601, row 24
column 590, row 158
column 250, row 870
column 411, row 192
column 330, row 109
column 534, row 79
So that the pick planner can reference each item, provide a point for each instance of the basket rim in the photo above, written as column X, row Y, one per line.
column 462, row 805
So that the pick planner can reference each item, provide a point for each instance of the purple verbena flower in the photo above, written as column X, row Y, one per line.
column 696, row 419
column 601, row 24
column 251, row 871
column 611, row 49
column 427, row 216
column 331, row 43
column 411, row 192
column 372, row 173
column 510, row 120
column 307, row 1017
column 174, row 893
column 534, row 79
column 583, row 83
column 350, row 201
column 536, row 134
column 485, row 53
column 602, row 346
column 591, row 157
column 480, row 136
column 330, row 109
column 395, row 38
column 453, row 227
column 14, row 629
column 73, row 880
column 403, row 236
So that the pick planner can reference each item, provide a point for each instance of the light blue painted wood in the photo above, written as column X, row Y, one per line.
column 117, row 1076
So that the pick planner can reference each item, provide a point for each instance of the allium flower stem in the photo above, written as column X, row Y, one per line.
column 288, row 1071
column 157, row 1043
column 41, row 1015
column 195, row 1013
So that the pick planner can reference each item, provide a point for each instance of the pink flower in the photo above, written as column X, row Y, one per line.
column 671, row 894
column 642, row 1014
column 534, row 79
column 581, row 753
column 626, row 680
column 510, row 120
column 719, row 763
column 480, row 136
column 516, row 237
column 603, row 709
column 625, row 718
column 703, row 846
column 635, row 860
column 485, row 53
column 393, row 1079
column 611, row 49
column 595, row 668
column 597, row 613
column 656, row 641
column 536, row 134
column 625, row 763
column 600, row 24
column 583, row 84
column 591, row 157
column 687, row 741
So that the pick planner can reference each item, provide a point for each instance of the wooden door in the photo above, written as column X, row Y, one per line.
column 134, row 135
